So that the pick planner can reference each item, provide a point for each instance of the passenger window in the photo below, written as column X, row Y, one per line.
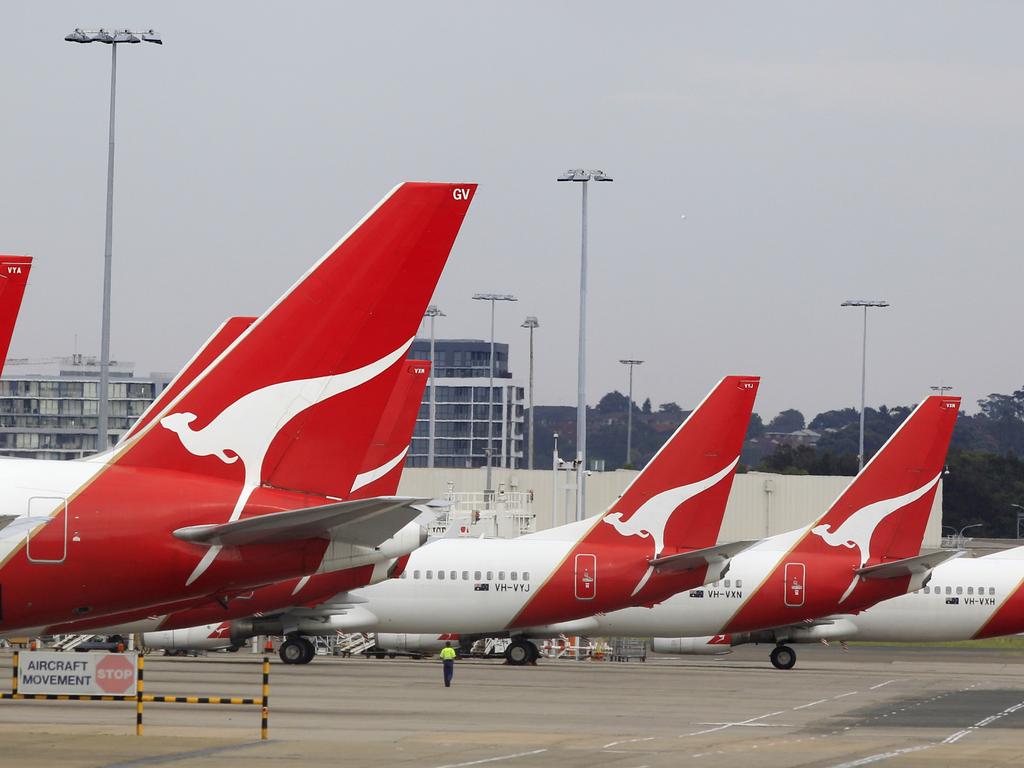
column 970, row 590
column 514, row 576
column 440, row 574
column 430, row 574
column 476, row 576
column 949, row 590
column 465, row 575
column 991, row 590
column 959, row 590
column 526, row 575
column 453, row 575
column 490, row 575
column 739, row 583
column 727, row 583
column 415, row 574
column 501, row 575
column 927, row 590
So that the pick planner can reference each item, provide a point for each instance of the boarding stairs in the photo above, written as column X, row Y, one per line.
column 70, row 642
column 353, row 643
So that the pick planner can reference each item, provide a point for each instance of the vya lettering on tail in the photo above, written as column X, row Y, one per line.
column 246, row 428
column 857, row 530
column 651, row 519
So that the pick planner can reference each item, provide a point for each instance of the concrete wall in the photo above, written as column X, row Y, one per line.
column 760, row 504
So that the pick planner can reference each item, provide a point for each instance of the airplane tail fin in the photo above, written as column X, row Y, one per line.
column 382, row 466
column 679, row 498
column 222, row 338
column 13, row 278
column 885, row 509
column 293, row 401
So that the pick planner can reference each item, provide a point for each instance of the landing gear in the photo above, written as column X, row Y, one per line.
column 521, row 652
column 297, row 650
column 783, row 657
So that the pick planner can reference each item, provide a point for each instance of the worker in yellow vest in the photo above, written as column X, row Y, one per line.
column 448, row 660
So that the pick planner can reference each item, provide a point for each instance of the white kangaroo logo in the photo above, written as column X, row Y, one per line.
column 651, row 519
column 248, row 426
column 857, row 530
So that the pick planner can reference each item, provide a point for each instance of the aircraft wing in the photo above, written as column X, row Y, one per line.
column 365, row 522
column 910, row 566
column 698, row 558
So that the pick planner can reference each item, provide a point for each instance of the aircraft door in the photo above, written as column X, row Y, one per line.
column 795, row 584
column 48, row 544
column 586, row 577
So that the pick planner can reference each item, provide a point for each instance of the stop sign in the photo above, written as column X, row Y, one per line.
column 115, row 673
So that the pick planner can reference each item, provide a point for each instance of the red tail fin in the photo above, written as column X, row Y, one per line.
column 884, row 511
column 382, row 466
column 294, row 401
column 222, row 338
column 13, row 278
column 679, row 498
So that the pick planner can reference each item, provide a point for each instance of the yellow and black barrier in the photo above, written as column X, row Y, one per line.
column 141, row 697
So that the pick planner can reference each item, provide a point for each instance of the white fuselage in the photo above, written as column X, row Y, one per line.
column 697, row 612
column 961, row 597
column 465, row 585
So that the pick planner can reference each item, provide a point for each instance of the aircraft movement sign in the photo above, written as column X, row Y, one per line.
column 88, row 673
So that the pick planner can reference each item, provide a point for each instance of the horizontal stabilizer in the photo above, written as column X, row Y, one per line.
column 909, row 566
column 698, row 558
column 366, row 522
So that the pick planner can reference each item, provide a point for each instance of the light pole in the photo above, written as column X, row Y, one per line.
column 113, row 38
column 554, row 483
column 433, row 312
column 491, row 297
column 1020, row 518
column 629, row 412
column 582, row 176
column 531, row 323
column 960, row 536
column 865, row 303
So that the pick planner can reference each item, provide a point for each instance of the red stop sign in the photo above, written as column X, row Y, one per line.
column 115, row 673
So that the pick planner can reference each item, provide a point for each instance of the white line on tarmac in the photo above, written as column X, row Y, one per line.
column 493, row 759
column 842, row 695
column 953, row 738
column 810, row 704
column 723, row 726
column 881, row 756
column 876, row 687
column 626, row 741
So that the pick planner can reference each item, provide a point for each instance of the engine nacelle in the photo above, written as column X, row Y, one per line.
column 391, row 641
column 352, row 619
column 717, row 645
column 208, row 637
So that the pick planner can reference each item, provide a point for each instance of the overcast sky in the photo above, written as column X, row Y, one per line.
column 818, row 152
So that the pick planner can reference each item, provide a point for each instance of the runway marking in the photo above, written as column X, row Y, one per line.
column 810, row 704
column 876, row 687
column 626, row 741
column 953, row 738
column 881, row 756
column 843, row 695
column 493, row 759
column 723, row 726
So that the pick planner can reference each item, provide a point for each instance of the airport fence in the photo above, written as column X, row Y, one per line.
column 140, row 697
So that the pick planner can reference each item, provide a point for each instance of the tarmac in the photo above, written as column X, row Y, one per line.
column 895, row 706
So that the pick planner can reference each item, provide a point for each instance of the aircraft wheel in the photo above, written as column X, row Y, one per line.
column 534, row 652
column 309, row 650
column 783, row 657
column 518, row 653
column 292, row 650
